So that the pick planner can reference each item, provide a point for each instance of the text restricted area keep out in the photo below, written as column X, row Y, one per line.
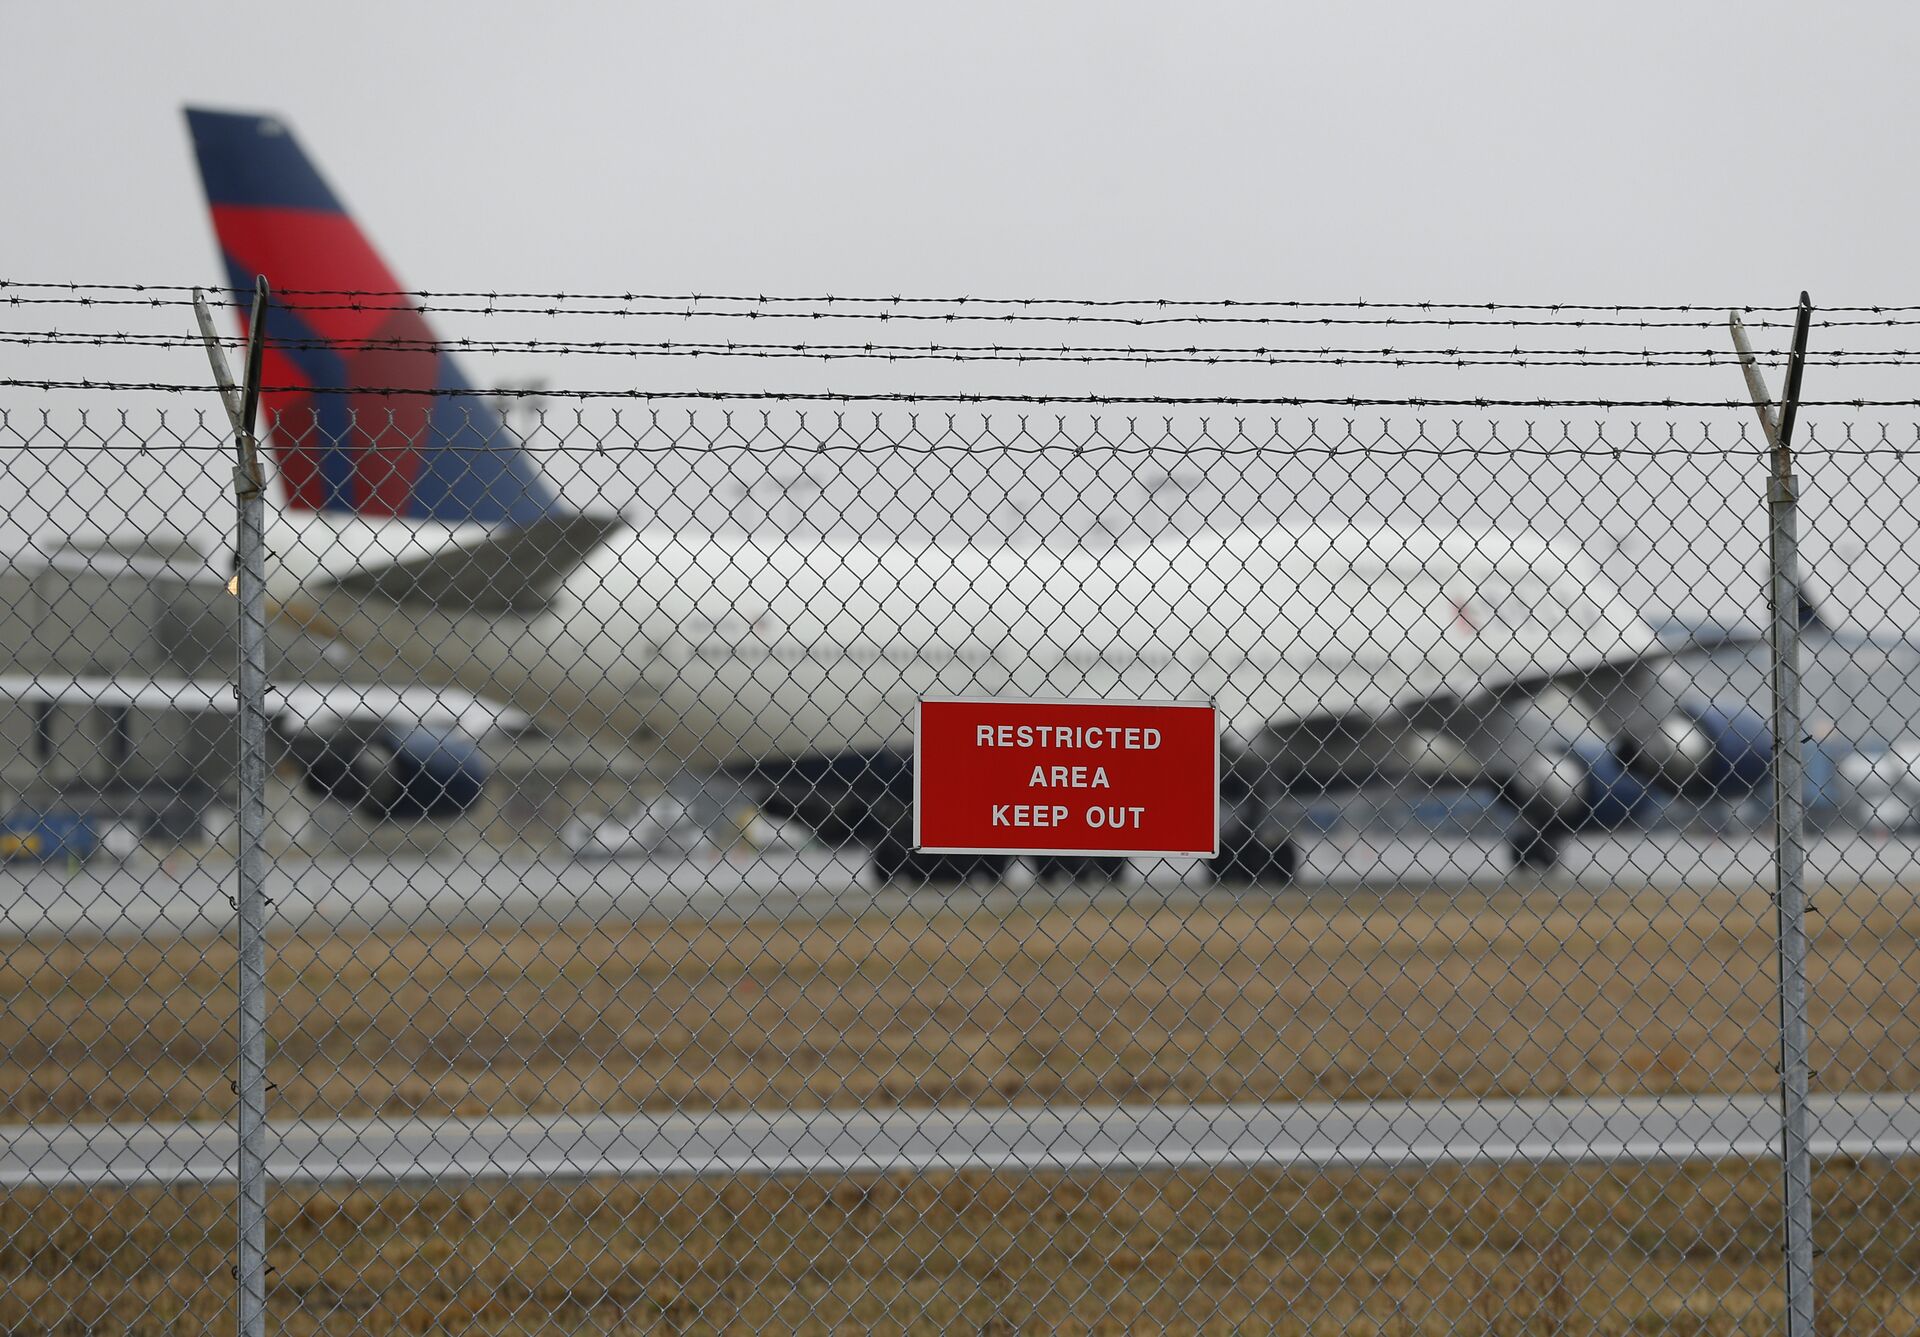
column 1015, row 776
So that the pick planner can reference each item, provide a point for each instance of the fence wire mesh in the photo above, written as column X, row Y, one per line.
column 606, row 991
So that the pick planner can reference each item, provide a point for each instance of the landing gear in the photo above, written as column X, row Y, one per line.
column 1256, row 837
column 1532, row 849
column 1246, row 861
column 1087, row 870
column 893, row 862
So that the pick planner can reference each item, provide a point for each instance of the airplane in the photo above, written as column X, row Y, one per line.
column 415, row 529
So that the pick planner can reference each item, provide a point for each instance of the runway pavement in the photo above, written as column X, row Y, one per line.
column 1374, row 1135
column 488, row 886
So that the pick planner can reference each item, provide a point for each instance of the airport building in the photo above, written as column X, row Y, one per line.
column 117, row 721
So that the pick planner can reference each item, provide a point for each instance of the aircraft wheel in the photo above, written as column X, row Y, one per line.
column 984, row 867
column 1069, row 869
column 894, row 862
column 1248, row 862
column 1533, row 849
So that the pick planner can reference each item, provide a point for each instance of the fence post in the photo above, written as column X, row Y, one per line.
column 250, row 570
column 1790, row 854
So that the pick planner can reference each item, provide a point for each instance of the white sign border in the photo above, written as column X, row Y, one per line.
column 918, row 848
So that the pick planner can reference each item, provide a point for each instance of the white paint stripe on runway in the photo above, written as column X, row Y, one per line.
column 1373, row 1135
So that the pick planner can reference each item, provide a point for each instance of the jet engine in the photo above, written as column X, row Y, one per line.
column 1702, row 750
column 1698, row 751
column 1586, row 787
column 394, row 772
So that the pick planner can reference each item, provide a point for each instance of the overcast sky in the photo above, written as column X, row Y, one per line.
column 1460, row 151
column 1520, row 152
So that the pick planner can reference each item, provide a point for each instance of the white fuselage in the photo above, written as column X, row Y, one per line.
column 722, row 650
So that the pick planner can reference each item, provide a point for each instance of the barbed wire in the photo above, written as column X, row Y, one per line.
column 949, row 397
column 1624, row 358
column 693, row 312
column 898, row 299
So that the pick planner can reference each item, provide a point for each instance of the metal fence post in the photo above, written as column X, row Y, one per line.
column 1790, row 855
column 1791, row 858
column 251, row 809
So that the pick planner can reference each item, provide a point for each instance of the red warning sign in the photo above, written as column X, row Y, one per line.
column 1006, row 776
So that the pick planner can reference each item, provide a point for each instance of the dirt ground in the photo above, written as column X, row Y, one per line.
column 1307, row 997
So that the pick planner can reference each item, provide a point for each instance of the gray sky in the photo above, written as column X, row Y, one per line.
column 1520, row 152
column 1462, row 151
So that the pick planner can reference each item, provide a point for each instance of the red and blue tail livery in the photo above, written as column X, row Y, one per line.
column 369, row 414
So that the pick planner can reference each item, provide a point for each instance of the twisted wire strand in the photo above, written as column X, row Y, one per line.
column 1188, row 355
column 899, row 299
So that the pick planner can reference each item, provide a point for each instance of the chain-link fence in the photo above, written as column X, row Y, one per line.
column 604, row 989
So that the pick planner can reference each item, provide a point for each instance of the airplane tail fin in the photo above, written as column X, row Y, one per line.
column 1807, row 610
column 372, row 418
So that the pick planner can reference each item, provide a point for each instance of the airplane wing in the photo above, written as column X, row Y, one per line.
column 1645, row 718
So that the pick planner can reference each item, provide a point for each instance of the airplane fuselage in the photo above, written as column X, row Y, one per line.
column 723, row 650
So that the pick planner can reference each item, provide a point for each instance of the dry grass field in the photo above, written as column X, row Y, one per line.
column 1511, row 1252
column 1303, row 998
column 1307, row 997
